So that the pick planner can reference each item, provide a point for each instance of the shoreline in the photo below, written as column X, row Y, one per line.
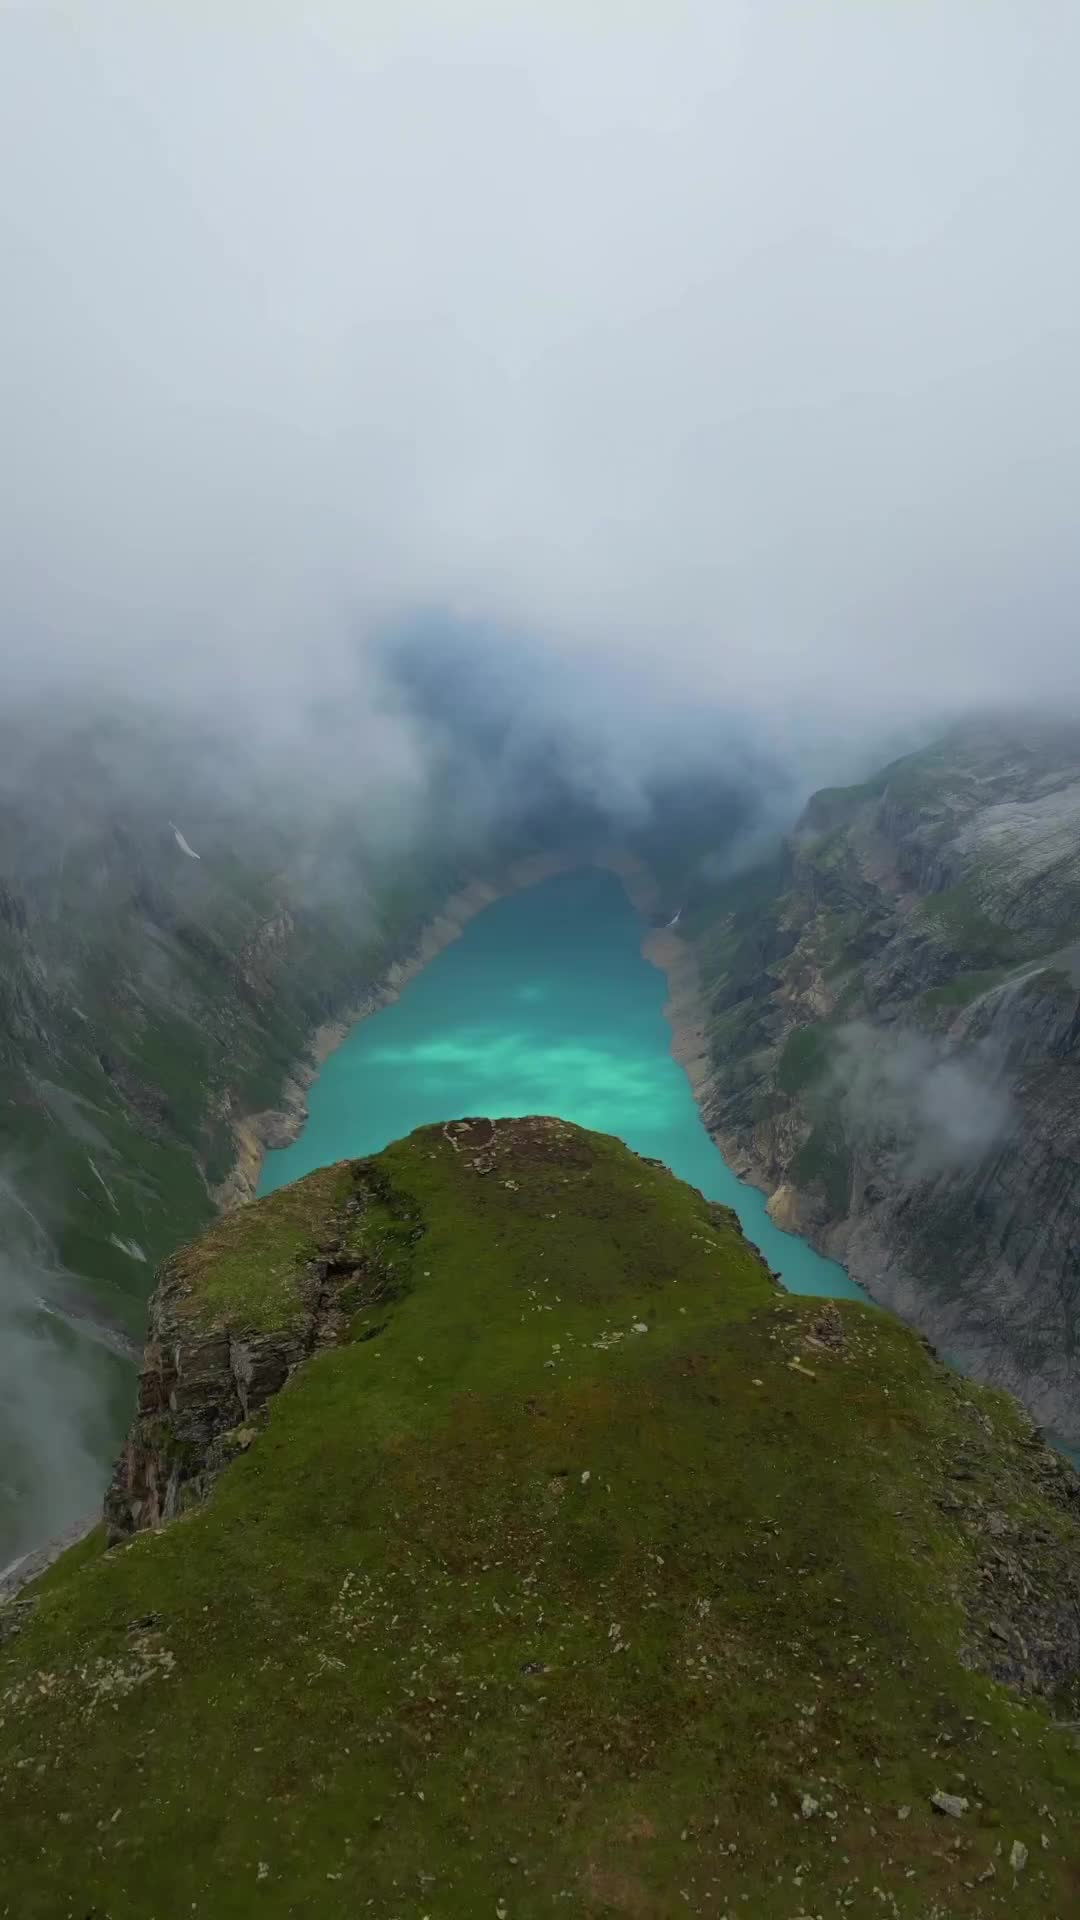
column 789, row 1210
column 684, row 1010
column 257, row 1134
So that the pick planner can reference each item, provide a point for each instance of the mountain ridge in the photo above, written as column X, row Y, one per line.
column 571, row 1560
column 889, row 1014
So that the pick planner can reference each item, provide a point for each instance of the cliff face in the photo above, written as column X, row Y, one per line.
column 169, row 942
column 892, row 1028
column 231, row 1320
column 160, row 977
column 531, row 1548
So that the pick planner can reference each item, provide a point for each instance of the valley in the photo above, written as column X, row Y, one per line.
column 539, row 963
column 893, row 1099
column 506, row 1438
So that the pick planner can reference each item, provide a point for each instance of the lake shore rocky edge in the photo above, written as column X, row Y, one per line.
column 687, row 1014
column 257, row 1134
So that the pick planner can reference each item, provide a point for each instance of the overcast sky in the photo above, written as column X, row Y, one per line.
column 739, row 340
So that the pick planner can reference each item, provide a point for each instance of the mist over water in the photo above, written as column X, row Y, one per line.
column 545, row 1005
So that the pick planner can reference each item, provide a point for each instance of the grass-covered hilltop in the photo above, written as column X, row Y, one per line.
column 527, row 1552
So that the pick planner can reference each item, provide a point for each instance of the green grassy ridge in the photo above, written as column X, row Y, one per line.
column 245, row 1269
column 250, row 1270
column 515, row 1607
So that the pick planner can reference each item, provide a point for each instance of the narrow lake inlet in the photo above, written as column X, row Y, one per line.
column 545, row 1005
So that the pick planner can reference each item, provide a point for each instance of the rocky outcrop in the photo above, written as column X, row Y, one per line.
column 207, row 1377
column 1022, row 1612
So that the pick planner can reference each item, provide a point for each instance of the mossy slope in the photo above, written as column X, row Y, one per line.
column 587, row 1574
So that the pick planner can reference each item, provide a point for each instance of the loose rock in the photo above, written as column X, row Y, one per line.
column 950, row 1803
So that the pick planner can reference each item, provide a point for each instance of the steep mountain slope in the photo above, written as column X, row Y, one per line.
column 535, row 1552
column 184, row 904
column 891, row 1028
column 169, row 941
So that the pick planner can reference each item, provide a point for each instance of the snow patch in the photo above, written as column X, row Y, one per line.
column 184, row 845
column 130, row 1247
column 99, row 1176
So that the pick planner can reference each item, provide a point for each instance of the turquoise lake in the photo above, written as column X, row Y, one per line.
column 545, row 1005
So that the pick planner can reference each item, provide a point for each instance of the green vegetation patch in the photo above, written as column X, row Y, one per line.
column 963, row 989
column 804, row 1059
column 843, row 939
column 829, row 853
column 970, row 932
column 824, row 1160
column 247, row 1269
column 603, row 1579
column 725, row 915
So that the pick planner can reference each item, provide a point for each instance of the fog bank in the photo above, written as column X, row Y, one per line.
column 736, row 344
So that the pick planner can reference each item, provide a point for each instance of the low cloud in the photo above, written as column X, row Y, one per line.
column 60, row 1392
column 731, row 343
column 905, row 1093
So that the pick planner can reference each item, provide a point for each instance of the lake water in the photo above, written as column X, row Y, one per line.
column 545, row 1005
